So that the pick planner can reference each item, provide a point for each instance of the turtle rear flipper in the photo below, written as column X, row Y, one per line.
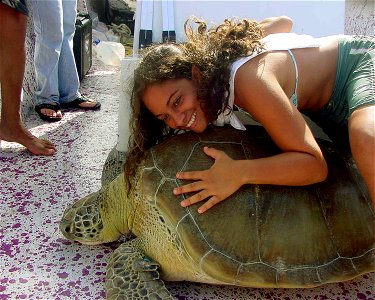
column 131, row 275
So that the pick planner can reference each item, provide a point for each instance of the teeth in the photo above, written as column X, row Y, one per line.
column 191, row 120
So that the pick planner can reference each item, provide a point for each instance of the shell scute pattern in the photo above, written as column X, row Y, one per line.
column 361, row 262
column 214, row 262
column 174, row 213
column 284, row 220
column 256, row 274
column 336, row 206
column 152, row 178
column 274, row 215
column 302, row 277
column 169, row 157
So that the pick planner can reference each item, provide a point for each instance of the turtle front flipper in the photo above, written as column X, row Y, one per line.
column 131, row 275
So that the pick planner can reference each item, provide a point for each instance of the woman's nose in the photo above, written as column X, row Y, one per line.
column 178, row 120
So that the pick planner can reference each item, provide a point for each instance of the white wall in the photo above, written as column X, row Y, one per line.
column 314, row 17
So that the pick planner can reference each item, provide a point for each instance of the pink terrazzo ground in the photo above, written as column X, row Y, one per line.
column 36, row 262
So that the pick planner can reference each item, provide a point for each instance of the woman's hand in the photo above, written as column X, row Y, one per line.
column 214, row 184
column 280, row 24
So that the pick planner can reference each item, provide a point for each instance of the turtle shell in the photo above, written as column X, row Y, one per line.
column 265, row 235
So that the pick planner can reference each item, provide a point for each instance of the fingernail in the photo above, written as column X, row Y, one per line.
column 200, row 211
column 183, row 204
column 175, row 191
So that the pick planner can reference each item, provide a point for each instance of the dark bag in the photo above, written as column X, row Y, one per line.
column 82, row 44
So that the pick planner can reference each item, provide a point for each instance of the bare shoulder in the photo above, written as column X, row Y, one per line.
column 254, row 68
column 261, row 72
column 257, row 88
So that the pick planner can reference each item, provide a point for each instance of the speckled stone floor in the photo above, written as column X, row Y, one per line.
column 36, row 262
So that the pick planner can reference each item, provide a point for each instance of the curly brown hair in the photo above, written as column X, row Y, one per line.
column 212, row 51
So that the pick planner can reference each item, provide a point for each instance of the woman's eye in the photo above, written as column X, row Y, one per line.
column 165, row 118
column 177, row 102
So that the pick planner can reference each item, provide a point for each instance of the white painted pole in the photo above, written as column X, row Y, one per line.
column 128, row 65
column 137, row 26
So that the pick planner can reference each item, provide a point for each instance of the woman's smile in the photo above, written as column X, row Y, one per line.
column 192, row 120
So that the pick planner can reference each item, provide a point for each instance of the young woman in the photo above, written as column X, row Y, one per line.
column 275, row 78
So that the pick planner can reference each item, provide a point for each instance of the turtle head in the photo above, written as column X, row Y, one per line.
column 97, row 218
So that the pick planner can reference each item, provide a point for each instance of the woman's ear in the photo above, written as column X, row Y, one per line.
column 196, row 74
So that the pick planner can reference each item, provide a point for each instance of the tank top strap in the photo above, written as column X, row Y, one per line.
column 294, row 98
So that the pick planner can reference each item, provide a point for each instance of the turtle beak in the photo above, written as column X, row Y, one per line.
column 67, row 229
column 67, row 226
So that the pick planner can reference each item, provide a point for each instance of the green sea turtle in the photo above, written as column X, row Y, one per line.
column 262, row 236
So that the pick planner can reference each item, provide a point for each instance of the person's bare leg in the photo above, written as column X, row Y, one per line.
column 362, row 143
column 12, row 66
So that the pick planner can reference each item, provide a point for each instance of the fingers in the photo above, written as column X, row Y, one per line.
column 207, row 183
column 210, row 203
column 195, row 175
column 198, row 175
column 187, row 188
column 198, row 197
column 212, row 152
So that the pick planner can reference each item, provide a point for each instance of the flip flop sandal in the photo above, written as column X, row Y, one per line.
column 76, row 103
column 55, row 107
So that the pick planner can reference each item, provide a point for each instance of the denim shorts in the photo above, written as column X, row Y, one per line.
column 354, row 86
column 19, row 5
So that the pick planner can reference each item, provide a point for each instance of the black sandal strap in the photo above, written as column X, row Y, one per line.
column 53, row 106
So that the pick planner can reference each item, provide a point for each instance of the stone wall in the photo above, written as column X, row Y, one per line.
column 360, row 17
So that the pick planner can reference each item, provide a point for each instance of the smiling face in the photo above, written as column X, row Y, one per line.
column 176, row 103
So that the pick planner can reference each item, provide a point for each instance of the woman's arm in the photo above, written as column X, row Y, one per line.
column 259, row 92
column 280, row 24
